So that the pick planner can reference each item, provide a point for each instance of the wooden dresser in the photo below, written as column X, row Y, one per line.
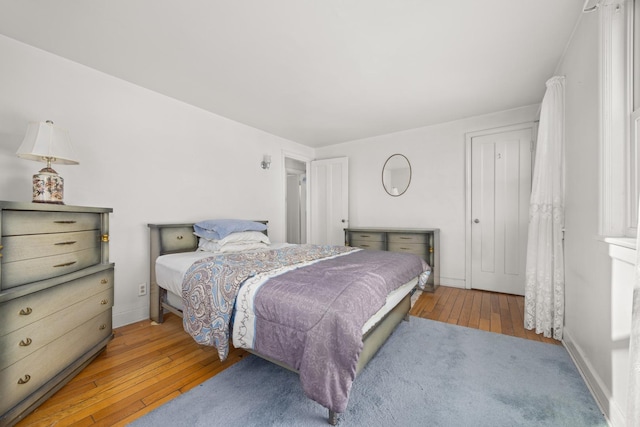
column 56, row 294
column 424, row 242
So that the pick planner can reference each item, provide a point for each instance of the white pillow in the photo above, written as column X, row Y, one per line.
column 245, row 236
column 242, row 246
column 234, row 242
column 208, row 245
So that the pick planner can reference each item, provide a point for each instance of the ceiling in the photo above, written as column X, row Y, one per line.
column 317, row 72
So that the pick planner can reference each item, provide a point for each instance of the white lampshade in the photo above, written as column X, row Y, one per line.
column 45, row 141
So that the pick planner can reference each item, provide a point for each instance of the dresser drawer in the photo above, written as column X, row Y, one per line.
column 24, row 377
column 17, row 248
column 24, row 341
column 31, row 270
column 407, row 238
column 35, row 222
column 366, row 237
column 410, row 248
column 20, row 312
column 366, row 244
column 177, row 239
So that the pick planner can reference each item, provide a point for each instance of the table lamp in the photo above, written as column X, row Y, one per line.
column 45, row 142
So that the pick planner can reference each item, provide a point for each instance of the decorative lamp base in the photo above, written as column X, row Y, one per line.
column 48, row 187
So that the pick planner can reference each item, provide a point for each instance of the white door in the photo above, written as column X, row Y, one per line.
column 500, row 192
column 329, row 188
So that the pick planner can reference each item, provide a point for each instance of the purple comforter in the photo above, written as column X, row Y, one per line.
column 311, row 318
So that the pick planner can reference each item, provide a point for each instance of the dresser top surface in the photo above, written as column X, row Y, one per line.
column 392, row 229
column 50, row 207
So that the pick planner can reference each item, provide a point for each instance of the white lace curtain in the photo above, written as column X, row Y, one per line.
column 544, row 288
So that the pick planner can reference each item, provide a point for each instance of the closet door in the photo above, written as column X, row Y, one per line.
column 329, row 201
column 500, row 192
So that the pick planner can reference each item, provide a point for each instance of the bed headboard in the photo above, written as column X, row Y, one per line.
column 167, row 239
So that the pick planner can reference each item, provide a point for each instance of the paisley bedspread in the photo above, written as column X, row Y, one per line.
column 211, row 285
column 310, row 305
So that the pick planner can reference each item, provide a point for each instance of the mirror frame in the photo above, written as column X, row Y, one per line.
column 410, row 175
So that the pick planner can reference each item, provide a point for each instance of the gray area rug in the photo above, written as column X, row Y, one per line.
column 428, row 374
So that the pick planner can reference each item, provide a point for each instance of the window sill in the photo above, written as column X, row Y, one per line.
column 625, row 242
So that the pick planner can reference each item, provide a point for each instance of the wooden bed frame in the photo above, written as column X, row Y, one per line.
column 175, row 238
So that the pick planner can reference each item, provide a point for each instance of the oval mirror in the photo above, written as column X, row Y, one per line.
column 396, row 175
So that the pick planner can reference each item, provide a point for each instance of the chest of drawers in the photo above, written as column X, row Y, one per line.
column 424, row 242
column 56, row 294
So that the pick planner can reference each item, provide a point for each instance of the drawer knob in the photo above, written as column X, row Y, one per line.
column 66, row 264
column 104, row 281
column 104, row 302
column 103, row 327
column 179, row 237
column 26, row 311
column 25, row 379
column 25, row 343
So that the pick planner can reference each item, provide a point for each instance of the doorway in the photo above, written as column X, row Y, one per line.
column 296, row 200
column 329, row 200
column 499, row 165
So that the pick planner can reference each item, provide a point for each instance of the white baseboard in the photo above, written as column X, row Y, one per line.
column 452, row 283
column 130, row 316
column 600, row 392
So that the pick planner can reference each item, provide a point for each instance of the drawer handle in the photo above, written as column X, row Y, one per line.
column 103, row 327
column 26, row 343
column 66, row 264
column 64, row 222
column 24, row 380
column 179, row 237
column 364, row 246
column 104, row 281
column 364, row 235
column 104, row 302
column 26, row 311
column 65, row 243
column 405, row 238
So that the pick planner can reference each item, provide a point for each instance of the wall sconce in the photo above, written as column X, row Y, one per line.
column 47, row 143
column 266, row 162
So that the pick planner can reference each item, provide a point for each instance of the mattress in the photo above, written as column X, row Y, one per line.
column 171, row 268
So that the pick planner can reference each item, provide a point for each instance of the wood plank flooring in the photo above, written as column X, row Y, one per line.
column 488, row 311
column 146, row 365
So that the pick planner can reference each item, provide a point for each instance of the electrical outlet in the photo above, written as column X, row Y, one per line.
column 142, row 289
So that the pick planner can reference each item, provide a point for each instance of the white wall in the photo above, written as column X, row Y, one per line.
column 436, row 195
column 149, row 157
column 588, row 292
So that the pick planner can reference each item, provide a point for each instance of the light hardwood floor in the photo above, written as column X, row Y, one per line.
column 147, row 365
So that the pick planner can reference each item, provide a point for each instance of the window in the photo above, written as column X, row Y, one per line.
column 633, row 165
column 620, row 120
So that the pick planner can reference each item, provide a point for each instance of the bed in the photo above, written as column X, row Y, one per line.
column 177, row 265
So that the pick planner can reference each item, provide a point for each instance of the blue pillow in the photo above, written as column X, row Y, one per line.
column 216, row 229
